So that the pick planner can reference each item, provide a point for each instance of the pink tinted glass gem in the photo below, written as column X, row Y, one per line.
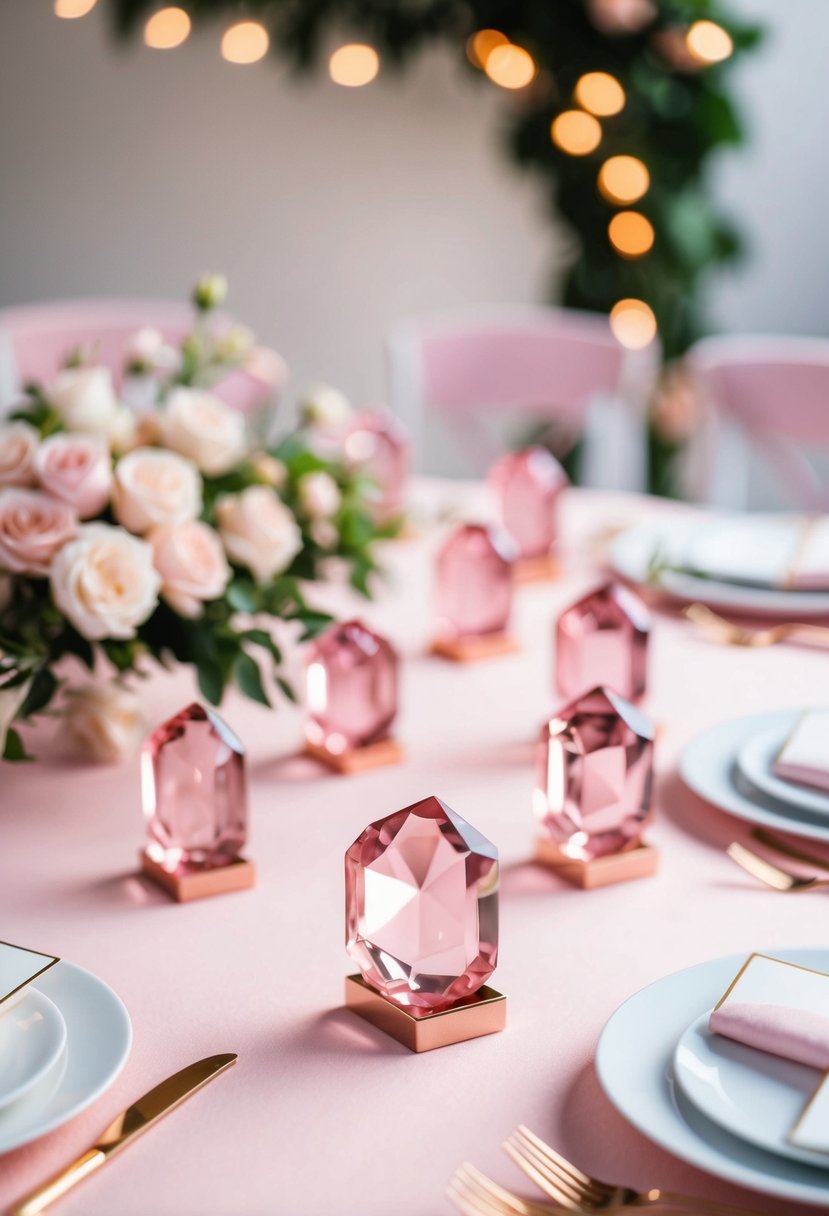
column 527, row 485
column 595, row 775
column 474, row 582
column 194, row 791
column 351, row 683
column 378, row 444
column 603, row 639
column 422, row 906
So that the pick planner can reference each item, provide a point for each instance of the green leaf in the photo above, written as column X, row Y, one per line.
column 211, row 681
column 244, row 596
column 249, row 679
column 260, row 637
column 286, row 689
column 14, row 749
column 42, row 689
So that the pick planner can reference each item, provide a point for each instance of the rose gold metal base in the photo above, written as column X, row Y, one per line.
column 483, row 1013
column 536, row 569
column 473, row 649
column 641, row 862
column 358, row 759
column 187, row 885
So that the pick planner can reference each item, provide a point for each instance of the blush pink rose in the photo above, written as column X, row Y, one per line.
column 18, row 445
column 78, row 470
column 33, row 527
column 192, row 564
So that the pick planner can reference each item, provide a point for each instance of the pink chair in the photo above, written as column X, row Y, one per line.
column 35, row 339
column 767, row 397
column 528, row 364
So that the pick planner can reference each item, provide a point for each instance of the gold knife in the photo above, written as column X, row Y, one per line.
column 122, row 1131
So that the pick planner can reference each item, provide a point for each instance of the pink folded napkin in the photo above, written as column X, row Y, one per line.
column 795, row 1034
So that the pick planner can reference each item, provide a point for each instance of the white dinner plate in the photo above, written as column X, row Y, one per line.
column 98, row 1040
column 757, row 1096
column 708, row 766
column 633, row 551
column 32, row 1037
column 634, row 1064
column 755, row 759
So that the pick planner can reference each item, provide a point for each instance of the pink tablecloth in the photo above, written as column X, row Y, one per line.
column 322, row 1115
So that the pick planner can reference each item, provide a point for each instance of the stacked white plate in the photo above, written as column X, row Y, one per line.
column 61, row 1045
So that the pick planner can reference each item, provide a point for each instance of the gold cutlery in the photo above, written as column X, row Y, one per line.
column 474, row 1194
column 771, row 874
column 718, row 629
column 123, row 1130
column 579, row 1192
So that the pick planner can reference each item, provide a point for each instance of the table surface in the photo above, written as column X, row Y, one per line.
column 323, row 1114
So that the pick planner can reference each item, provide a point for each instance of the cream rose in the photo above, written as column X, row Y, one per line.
column 325, row 407
column 33, row 527
column 319, row 495
column 85, row 399
column 18, row 444
column 146, row 351
column 192, row 564
column 258, row 531
column 104, row 582
column 202, row 427
column 154, row 487
column 78, row 470
column 102, row 722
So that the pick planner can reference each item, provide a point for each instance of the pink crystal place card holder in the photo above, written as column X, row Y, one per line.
column 351, row 684
column 422, row 926
column 602, row 639
column 19, row 967
column 194, row 793
column 593, row 791
column 474, row 592
column 527, row 486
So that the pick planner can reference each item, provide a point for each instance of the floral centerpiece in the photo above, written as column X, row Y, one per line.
column 160, row 531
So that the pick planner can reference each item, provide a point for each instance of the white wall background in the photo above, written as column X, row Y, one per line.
column 128, row 171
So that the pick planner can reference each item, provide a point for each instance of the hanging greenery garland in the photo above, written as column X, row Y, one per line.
column 616, row 105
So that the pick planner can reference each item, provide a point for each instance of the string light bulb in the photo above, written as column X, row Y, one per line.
column 709, row 42
column 631, row 234
column 633, row 323
column 354, row 65
column 510, row 66
column 576, row 133
column 166, row 29
column 599, row 93
column 245, row 42
column 481, row 45
column 70, row 9
column 623, row 179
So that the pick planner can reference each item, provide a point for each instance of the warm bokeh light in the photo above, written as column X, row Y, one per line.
column 167, row 28
column 245, row 42
column 510, row 66
column 600, row 94
column 354, row 65
column 576, row 133
column 709, row 42
column 73, row 8
column 633, row 323
column 623, row 179
column 631, row 234
column 481, row 45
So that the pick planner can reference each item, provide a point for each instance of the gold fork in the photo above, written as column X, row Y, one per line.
column 579, row 1192
column 718, row 629
column 474, row 1194
column 769, row 873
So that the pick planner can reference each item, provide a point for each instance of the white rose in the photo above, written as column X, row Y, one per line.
column 192, row 564
column 319, row 495
column 104, row 582
column 154, row 487
column 102, row 722
column 200, row 426
column 325, row 407
column 146, row 351
column 258, row 531
column 86, row 401
column 18, row 445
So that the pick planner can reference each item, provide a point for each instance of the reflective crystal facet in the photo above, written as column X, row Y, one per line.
column 603, row 639
column 595, row 774
column 474, row 582
column 194, row 791
column 422, row 906
column 378, row 444
column 527, row 485
column 351, row 683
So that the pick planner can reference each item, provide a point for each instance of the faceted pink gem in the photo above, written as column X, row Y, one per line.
column 351, row 683
column 474, row 582
column 194, row 791
column 595, row 773
column 602, row 639
column 378, row 444
column 527, row 485
column 422, row 906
